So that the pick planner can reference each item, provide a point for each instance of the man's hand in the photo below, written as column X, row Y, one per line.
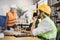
column 16, row 23
column 27, row 32
column 34, row 19
column 24, row 31
column 17, row 29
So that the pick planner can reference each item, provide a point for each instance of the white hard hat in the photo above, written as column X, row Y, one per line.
column 13, row 6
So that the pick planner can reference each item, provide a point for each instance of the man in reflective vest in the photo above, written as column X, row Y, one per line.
column 46, row 29
column 12, row 17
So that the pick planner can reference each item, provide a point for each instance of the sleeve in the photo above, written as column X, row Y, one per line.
column 45, row 27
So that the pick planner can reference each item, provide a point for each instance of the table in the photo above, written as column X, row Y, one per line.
column 19, row 38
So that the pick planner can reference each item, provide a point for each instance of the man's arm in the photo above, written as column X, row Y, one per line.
column 32, row 27
column 45, row 27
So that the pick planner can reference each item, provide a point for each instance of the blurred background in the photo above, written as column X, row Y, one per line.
column 25, row 9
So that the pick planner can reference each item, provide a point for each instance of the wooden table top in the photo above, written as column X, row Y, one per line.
column 19, row 38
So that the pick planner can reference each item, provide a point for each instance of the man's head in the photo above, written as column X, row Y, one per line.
column 13, row 8
column 44, row 9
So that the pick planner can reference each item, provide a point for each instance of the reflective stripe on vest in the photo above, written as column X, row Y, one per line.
column 11, row 18
column 51, row 34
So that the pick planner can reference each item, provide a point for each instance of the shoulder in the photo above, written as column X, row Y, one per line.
column 7, row 12
column 46, row 22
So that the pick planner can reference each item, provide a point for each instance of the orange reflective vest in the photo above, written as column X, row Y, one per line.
column 11, row 18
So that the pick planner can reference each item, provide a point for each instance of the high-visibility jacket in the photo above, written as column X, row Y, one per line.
column 52, row 33
column 46, row 28
column 12, row 18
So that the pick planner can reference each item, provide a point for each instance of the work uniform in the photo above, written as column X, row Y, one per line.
column 11, row 20
column 46, row 29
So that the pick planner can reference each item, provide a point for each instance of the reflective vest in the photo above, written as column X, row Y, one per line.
column 11, row 18
column 53, row 33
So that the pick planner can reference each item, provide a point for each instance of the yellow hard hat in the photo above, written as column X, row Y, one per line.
column 45, row 8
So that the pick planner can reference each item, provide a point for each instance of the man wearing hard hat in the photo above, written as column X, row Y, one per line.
column 46, row 29
column 12, row 17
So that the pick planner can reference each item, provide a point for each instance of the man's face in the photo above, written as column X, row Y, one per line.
column 13, row 9
column 40, row 14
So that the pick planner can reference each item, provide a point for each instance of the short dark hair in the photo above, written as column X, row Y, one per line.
column 47, row 14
